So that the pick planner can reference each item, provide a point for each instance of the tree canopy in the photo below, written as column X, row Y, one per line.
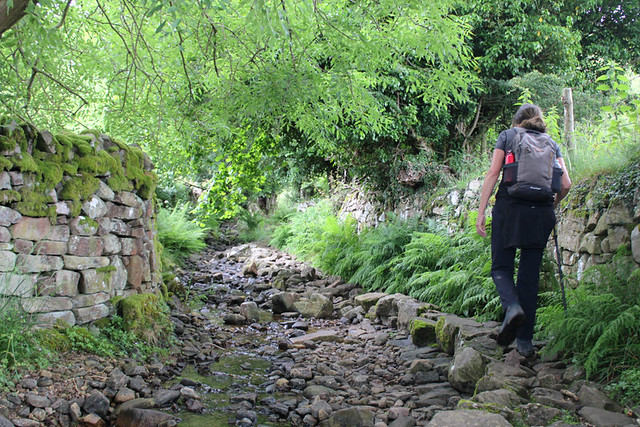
column 229, row 93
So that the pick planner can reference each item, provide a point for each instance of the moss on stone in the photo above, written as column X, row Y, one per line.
column 50, row 172
column 69, row 169
column 9, row 196
column 106, row 270
column 75, row 207
column 79, row 187
column 147, row 316
column 24, row 162
column 5, row 164
column 422, row 332
column 35, row 203
column 441, row 336
column 7, row 143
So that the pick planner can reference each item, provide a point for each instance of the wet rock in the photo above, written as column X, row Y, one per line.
column 166, row 397
column 283, row 302
column 145, row 418
column 465, row 371
column 250, row 311
column 468, row 418
column 37, row 401
column 234, row 319
column 603, row 418
column 405, row 421
column 316, row 306
column 355, row 416
column 535, row 414
column 591, row 396
column 96, row 403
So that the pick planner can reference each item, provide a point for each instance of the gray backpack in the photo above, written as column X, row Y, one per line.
column 535, row 174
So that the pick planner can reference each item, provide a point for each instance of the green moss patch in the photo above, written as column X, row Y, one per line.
column 147, row 316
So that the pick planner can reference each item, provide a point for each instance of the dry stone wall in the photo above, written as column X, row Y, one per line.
column 588, row 235
column 77, row 223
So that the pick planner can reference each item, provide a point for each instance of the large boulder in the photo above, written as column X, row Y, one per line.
column 316, row 306
column 468, row 418
column 465, row 371
column 360, row 416
column 283, row 302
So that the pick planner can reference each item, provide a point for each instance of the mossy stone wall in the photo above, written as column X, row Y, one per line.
column 77, row 222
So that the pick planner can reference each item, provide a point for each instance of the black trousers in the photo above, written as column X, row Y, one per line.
column 524, row 290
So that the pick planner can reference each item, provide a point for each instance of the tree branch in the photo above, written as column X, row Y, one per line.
column 10, row 16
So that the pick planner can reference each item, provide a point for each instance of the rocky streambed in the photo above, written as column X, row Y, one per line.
column 268, row 340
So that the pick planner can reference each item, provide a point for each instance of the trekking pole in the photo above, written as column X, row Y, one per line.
column 564, row 298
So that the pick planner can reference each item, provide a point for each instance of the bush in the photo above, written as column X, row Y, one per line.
column 179, row 235
column 601, row 328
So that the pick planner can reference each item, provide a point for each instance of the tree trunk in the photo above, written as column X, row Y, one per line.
column 9, row 17
column 567, row 101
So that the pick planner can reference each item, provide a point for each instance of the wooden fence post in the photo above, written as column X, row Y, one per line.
column 567, row 101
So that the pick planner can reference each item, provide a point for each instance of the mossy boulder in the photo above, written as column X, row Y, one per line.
column 446, row 331
column 147, row 316
column 423, row 331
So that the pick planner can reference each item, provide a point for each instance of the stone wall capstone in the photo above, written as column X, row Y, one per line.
column 77, row 222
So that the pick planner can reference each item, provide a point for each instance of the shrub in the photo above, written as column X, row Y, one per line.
column 178, row 235
column 601, row 328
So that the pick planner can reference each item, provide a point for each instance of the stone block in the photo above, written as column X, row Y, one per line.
column 617, row 236
column 66, row 282
column 572, row 228
column 119, row 276
column 590, row 243
column 105, row 192
column 23, row 246
column 62, row 208
column 85, row 246
column 17, row 178
column 5, row 181
column 138, row 233
column 93, row 281
column 46, row 142
column 124, row 212
column 135, row 270
column 7, row 261
column 94, row 207
column 83, row 226
column 31, row 228
column 38, row 263
column 72, row 262
column 92, row 299
column 635, row 243
column 46, row 304
column 130, row 246
column 112, row 244
column 59, row 233
column 89, row 314
column 128, row 199
column 55, row 317
column 8, row 216
column 105, row 226
column 5, row 235
column 17, row 284
column 50, row 247
column 119, row 228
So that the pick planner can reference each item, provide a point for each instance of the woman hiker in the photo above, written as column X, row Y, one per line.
column 523, row 224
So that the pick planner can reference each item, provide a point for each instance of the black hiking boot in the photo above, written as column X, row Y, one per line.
column 513, row 318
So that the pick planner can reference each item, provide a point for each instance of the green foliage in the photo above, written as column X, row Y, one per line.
column 626, row 388
column 418, row 259
column 146, row 316
column 602, row 324
column 19, row 346
column 179, row 235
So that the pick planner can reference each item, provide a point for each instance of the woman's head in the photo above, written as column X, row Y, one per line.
column 529, row 116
